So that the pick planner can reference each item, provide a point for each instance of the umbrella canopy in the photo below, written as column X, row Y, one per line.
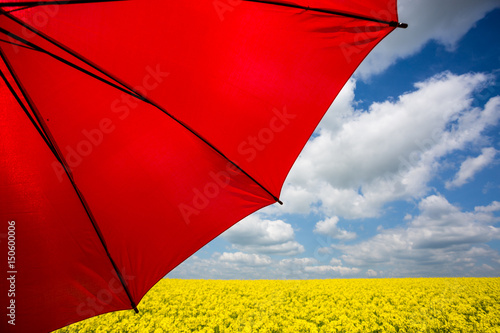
column 134, row 132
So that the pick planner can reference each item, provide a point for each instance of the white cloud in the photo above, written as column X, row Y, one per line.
column 256, row 235
column 253, row 230
column 442, row 240
column 443, row 21
column 246, row 258
column 335, row 262
column 361, row 160
column 488, row 267
column 298, row 262
column 323, row 269
column 289, row 248
column 294, row 268
column 310, row 268
column 241, row 265
column 493, row 207
column 329, row 227
column 324, row 250
column 471, row 166
column 298, row 199
column 371, row 273
column 227, row 265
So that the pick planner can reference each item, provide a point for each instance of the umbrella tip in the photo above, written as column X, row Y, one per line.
column 280, row 202
column 398, row 25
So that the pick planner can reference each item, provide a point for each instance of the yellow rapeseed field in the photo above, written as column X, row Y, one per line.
column 341, row 305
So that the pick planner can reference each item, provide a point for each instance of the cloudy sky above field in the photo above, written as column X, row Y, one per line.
column 402, row 176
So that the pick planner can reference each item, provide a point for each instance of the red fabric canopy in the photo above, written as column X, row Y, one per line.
column 134, row 132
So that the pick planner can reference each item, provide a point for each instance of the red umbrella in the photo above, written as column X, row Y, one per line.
column 134, row 132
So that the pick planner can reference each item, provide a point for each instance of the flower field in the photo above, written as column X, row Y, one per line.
column 342, row 305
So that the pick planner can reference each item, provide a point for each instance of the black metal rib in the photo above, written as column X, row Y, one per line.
column 50, row 2
column 74, row 54
column 21, row 104
column 16, row 44
column 16, row 9
column 132, row 93
column 48, row 139
column 332, row 12
column 69, row 63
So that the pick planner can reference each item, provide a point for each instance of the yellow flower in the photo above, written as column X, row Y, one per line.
column 363, row 305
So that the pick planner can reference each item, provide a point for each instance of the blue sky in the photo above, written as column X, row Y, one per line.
column 401, row 178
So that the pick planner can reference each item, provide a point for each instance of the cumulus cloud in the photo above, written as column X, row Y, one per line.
column 335, row 262
column 329, row 227
column 444, row 21
column 471, row 166
column 256, row 235
column 294, row 268
column 493, row 207
column 323, row 269
column 215, row 268
column 360, row 160
column 250, row 266
column 245, row 258
column 442, row 240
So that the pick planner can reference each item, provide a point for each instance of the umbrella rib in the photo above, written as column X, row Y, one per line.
column 49, row 2
column 35, row 47
column 332, row 12
column 130, row 91
column 199, row 136
column 137, row 95
column 17, row 9
column 21, row 104
column 47, row 137
column 16, row 44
